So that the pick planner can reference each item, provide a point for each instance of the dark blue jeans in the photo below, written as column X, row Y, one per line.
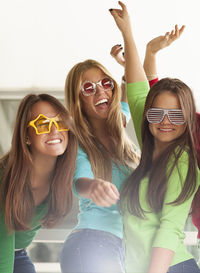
column 92, row 251
column 189, row 266
column 23, row 263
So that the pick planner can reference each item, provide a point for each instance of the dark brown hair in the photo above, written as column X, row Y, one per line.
column 159, row 170
column 16, row 197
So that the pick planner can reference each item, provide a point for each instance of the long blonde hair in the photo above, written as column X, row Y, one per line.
column 123, row 150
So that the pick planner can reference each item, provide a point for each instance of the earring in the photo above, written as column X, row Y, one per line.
column 28, row 141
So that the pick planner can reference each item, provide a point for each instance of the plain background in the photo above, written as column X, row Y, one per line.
column 40, row 40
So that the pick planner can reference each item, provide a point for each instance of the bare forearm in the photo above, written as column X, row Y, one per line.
column 161, row 259
column 149, row 65
column 134, row 71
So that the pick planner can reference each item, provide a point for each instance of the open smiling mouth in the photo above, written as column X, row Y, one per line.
column 54, row 141
column 166, row 129
column 101, row 102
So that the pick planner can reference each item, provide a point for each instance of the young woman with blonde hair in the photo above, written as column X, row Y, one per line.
column 35, row 178
column 105, row 158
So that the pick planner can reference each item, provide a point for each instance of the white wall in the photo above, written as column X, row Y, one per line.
column 40, row 40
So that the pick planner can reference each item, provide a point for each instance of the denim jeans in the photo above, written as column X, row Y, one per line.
column 189, row 266
column 92, row 251
column 22, row 263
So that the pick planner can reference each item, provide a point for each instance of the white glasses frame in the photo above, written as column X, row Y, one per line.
column 167, row 112
column 94, row 85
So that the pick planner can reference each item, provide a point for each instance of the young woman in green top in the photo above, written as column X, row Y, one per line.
column 156, row 198
column 35, row 177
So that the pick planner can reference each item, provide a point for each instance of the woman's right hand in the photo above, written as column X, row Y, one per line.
column 121, row 18
column 103, row 193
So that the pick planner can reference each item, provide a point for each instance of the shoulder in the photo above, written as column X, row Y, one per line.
column 81, row 153
column 181, row 159
column 178, row 167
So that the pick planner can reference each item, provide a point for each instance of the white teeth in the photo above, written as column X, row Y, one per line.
column 166, row 130
column 54, row 141
column 101, row 101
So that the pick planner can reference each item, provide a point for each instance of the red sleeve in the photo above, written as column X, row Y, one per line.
column 152, row 82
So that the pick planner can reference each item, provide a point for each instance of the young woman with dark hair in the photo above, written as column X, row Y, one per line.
column 35, row 177
column 157, row 197
column 150, row 67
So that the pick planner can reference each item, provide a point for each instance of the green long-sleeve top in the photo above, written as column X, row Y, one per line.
column 163, row 229
column 18, row 239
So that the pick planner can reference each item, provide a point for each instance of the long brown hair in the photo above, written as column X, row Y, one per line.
column 122, row 149
column 16, row 197
column 159, row 170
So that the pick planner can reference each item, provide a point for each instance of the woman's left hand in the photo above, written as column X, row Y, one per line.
column 116, row 53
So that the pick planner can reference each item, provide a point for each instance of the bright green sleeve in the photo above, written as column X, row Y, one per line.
column 7, row 248
column 137, row 93
column 173, row 217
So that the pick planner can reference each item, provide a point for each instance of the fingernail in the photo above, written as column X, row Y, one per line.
column 123, row 53
column 110, row 9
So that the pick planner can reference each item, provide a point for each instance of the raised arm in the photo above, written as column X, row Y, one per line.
column 154, row 46
column 137, row 85
column 134, row 71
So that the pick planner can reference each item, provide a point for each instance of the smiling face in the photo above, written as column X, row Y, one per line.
column 165, row 132
column 52, row 144
column 96, row 107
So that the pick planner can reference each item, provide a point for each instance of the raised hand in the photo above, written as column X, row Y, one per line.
column 121, row 18
column 116, row 53
column 134, row 71
column 161, row 42
column 154, row 46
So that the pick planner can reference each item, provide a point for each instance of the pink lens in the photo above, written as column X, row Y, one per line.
column 107, row 83
column 88, row 88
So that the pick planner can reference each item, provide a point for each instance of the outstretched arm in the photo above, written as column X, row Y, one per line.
column 85, row 185
column 154, row 46
column 101, row 192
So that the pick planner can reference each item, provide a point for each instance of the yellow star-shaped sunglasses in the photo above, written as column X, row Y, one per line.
column 43, row 124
